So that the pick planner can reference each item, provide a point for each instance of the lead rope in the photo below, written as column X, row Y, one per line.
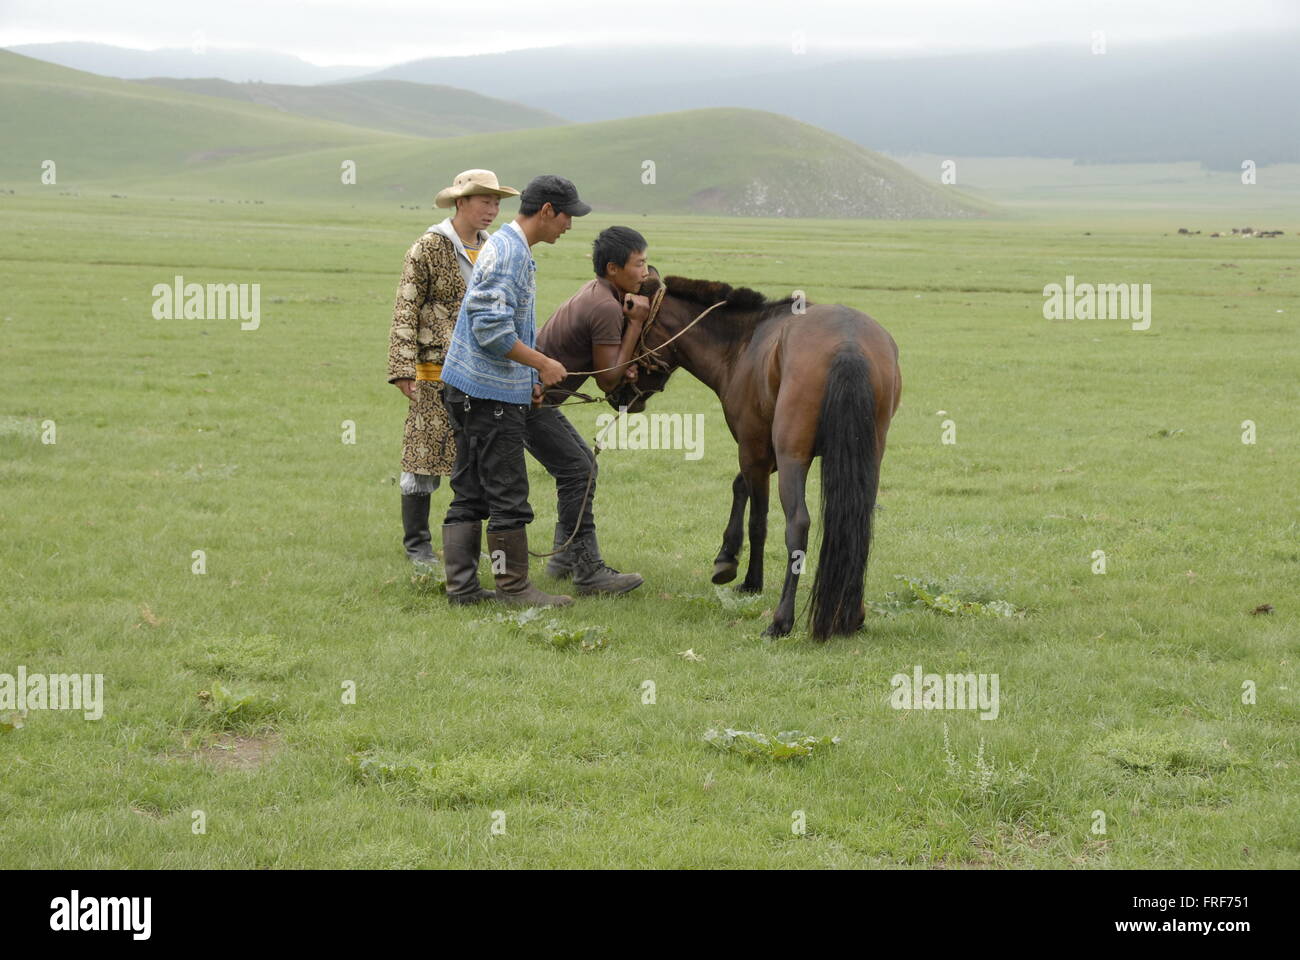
column 597, row 446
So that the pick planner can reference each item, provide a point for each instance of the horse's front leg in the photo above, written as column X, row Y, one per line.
column 792, row 478
column 756, row 479
column 727, row 561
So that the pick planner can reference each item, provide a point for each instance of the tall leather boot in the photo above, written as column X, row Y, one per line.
column 416, row 537
column 513, row 586
column 591, row 575
column 460, row 551
column 560, row 565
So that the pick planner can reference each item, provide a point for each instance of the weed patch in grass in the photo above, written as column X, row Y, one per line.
column 429, row 579
column 258, row 657
column 985, row 787
column 1164, row 754
column 729, row 601
column 786, row 745
column 551, row 633
column 920, row 594
column 453, row 782
column 240, row 707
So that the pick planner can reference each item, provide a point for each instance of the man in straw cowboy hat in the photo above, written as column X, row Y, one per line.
column 491, row 379
column 434, row 278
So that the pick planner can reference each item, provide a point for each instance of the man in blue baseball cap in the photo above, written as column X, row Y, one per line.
column 492, row 373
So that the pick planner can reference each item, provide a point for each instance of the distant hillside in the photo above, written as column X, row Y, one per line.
column 145, row 138
column 1215, row 101
column 235, row 65
column 417, row 109
column 532, row 76
column 737, row 162
column 101, row 129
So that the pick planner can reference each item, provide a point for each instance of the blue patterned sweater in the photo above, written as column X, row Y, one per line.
column 497, row 313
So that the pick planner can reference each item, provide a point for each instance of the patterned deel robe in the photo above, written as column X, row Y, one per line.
column 428, row 300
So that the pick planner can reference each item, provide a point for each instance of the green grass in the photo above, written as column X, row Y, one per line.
column 1119, row 693
column 1179, row 194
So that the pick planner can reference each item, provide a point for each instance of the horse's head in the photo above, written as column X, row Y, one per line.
column 633, row 394
column 653, row 370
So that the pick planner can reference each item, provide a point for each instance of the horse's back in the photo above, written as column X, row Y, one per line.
column 798, row 367
column 811, row 340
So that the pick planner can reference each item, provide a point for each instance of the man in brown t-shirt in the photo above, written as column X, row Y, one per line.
column 596, row 328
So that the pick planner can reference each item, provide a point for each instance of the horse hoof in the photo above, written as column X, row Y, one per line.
column 724, row 572
column 860, row 623
column 749, row 588
column 775, row 629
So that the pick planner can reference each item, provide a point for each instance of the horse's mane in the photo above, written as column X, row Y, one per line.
column 708, row 292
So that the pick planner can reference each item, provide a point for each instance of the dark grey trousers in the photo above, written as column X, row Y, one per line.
column 490, row 478
column 558, row 447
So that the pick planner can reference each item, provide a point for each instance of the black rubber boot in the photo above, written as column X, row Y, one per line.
column 592, row 575
column 560, row 565
column 513, row 585
column 416, row 537
column 460, row 551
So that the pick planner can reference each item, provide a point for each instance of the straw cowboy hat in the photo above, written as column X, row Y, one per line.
column 472, row 182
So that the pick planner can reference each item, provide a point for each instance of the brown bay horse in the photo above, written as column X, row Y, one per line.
column 796, row 382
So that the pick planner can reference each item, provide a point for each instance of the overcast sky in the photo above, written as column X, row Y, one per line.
column 382, row 32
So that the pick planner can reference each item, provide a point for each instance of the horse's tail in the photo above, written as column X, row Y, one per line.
column 846, row 441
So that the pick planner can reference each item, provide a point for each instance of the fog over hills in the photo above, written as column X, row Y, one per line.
column 1217, row 102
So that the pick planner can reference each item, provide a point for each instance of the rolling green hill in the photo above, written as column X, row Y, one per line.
column 105, row 130
column 115, row 135
column 236, row 64
column 417, row 109
column 735, row 162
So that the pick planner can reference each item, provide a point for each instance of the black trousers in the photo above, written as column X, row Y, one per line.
column 557, row 446
column 490, row 479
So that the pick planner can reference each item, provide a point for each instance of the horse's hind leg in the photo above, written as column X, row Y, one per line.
column 727, row 562
column 757, row 478
column 792, row 477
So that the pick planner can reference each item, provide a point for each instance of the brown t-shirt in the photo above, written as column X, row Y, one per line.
column 592, row 315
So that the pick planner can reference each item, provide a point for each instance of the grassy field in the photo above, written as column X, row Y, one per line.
column 1177, row 194
column 1120, row 692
